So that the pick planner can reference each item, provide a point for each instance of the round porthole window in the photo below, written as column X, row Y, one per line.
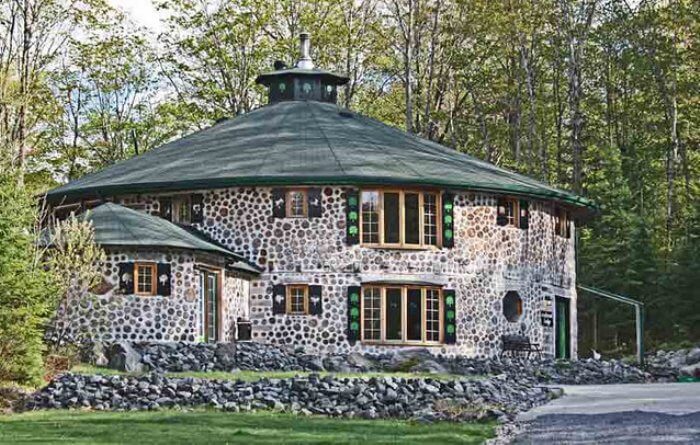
column 282, row 86
column 512, row 306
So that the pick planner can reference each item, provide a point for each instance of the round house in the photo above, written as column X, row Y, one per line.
column 358, row 236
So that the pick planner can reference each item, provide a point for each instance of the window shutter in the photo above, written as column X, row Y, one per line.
column 197, row 210
column 524, row 214
column 448, row 225
column 278, row 204
column 501, row 218
column 165, row 208
column 315, row 199
column 126, row 278
column 315, row 300
column 163, row 279
column 279, row 299
column 352, row 215
column 353, row 313
column 450, row 316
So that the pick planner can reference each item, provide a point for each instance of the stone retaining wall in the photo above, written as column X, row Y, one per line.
column 176, row 357
column 387, row 397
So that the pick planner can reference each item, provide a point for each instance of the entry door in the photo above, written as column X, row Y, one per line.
column 209, row 305
column 562, row 327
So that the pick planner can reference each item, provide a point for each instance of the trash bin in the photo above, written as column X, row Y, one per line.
column 245, row 328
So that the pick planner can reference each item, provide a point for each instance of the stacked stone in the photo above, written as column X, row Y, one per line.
column 671, row 364
column 178, row 357
column 387, row 397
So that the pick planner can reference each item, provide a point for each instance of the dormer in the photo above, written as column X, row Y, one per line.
column 303, row 81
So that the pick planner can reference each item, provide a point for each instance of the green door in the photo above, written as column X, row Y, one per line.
column 562, row 327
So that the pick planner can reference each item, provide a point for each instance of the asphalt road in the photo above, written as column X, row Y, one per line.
column 619, row 414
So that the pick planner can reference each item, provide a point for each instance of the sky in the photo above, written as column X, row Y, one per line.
column 142, row 12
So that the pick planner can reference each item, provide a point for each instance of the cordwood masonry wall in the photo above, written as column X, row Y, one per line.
column 487, row 261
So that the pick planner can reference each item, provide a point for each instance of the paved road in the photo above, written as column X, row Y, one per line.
column 631, row 413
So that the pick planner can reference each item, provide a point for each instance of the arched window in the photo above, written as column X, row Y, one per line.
column 512, row 306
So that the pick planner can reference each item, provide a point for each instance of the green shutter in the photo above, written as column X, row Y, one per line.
column 354, row 295
column 448, row 223
column 352, row 216
column 450, row 316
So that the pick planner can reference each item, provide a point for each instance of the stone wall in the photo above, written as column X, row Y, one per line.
column 105, row 314
column 486, row 262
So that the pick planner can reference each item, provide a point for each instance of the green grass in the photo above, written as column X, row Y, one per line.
column 251, row 376
column 211, row 427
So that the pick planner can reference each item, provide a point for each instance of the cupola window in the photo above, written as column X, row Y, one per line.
column 397, row 218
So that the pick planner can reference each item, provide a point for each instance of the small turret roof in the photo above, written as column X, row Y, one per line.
column 116, row 225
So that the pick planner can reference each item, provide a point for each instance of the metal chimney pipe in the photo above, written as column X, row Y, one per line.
column 305, row 61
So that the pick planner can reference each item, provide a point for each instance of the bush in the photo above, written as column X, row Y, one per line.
column 26, row 289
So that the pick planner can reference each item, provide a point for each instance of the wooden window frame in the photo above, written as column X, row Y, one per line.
column 402, row 219
column 288, row 300
column 220, row 275
column 404, row 316
column 561, row 222
column 288, row 203
column 516, row 211
column 154, row 279
column 175, row 203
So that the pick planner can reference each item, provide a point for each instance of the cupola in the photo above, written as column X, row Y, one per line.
column 303, row 81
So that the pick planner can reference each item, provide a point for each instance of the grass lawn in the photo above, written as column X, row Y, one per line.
column 213, row 427
column 257, row 375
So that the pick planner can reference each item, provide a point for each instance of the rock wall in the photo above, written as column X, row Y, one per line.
column 487, row 261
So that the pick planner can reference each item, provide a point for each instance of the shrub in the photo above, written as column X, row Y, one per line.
column 26, row 288
column 75, row 260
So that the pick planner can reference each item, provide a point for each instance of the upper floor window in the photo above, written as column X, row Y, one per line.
column 297, row 204
column 145, row 278
column 561, row 222
column 181, row 209
column 397, row 218
column 508, row 212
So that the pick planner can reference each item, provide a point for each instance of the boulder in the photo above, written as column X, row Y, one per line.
column 225, row 354
column 693, row 356
column 124, row 358
column 691, row 370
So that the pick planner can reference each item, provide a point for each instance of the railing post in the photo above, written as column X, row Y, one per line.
column 639, row 315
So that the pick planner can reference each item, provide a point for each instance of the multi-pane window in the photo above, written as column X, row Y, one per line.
column 432, row 315
column 561, row 222
column 182, row 209
column 430, row 227
column 145, row 278
column 370, row 217
column 508, row 212
column 297, row 204
column 399, row 218
column 372, row 313
column 297, row 300
column 401, row 314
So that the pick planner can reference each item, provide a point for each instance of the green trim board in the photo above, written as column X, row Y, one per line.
column 306, row 143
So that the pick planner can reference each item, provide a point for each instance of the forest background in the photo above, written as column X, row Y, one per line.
column 595, row 96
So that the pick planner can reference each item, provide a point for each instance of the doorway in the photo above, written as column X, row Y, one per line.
column 209, row 307
column 562, row 328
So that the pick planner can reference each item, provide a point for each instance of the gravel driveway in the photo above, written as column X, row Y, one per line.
column 619, row 414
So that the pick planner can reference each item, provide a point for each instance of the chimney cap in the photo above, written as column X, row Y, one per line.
column 305, row 61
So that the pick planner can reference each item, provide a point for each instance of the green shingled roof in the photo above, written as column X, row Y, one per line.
column 116, row 225
column 305, row 143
